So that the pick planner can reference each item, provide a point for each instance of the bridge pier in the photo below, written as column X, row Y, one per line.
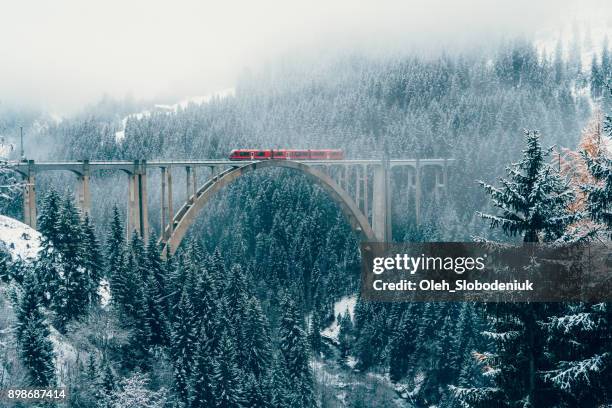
column 138, row 215
column 188, row 188
column 29, row 196
column 84, row 195
column 381, row 203
column 167, row 211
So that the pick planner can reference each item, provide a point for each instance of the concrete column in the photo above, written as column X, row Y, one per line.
column 29, row 197
column 417, row 192
column 83, row 189
column 188, row 189
column 143, row 209
column 381, row 215
column 194, row 182
column 164, row 205
column 84, row 195
column 366, row 191
column 358, row 181
column 170, row 208
column 133, row 205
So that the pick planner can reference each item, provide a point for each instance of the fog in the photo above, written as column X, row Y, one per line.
column 64, row 54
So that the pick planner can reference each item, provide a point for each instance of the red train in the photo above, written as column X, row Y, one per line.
column 286, row 154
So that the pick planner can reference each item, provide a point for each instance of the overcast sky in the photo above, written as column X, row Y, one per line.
column 63, row 54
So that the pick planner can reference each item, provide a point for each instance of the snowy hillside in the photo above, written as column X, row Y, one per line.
column 18, row 239
column 340, row 307
column 196, row 100
column 23, row 243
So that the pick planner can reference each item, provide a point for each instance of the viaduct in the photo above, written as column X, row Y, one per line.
column 361, row 188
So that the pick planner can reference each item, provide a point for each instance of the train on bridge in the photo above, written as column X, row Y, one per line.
column 286, row 154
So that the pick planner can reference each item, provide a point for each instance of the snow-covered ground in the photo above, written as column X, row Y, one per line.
column 340, row 307
column 18, row 239
column 173, row 108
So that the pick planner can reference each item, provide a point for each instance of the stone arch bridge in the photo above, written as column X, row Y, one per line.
column 361, row 188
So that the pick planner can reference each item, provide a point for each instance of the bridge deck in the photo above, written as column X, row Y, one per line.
column 127, row 165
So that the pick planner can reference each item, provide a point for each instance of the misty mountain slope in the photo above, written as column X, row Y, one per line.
column 469, row 107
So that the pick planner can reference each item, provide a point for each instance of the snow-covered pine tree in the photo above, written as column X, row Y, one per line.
column 48, row 264
column 579, row 341
column 345, row 335
column 228, row 391
column 35, row 348
column 49, row 213
column 115, row 253
column 155, row 265
column 135, row 392
column 202, row 382
column 580, row 345
column 256, row 348
column 205, row 302
column 72, row 299
column 534, row 202
column 156, row 317
column 257, row 395
column 599, row 193
column 314, row 333
column 294, row 350
column 92, row 258
column 280, row 384
column 534, row 199
column 184, row 334
column 402, row 345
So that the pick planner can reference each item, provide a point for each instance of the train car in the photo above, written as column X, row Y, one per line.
column 286, row 154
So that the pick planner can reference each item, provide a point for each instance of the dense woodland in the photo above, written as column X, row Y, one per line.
column 235, row 318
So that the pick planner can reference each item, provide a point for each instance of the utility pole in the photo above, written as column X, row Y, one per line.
column 21, row 137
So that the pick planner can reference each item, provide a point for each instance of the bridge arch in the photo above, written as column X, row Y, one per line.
column 186, row 216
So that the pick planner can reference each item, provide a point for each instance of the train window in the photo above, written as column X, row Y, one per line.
column 244, row 154
column 260, row 154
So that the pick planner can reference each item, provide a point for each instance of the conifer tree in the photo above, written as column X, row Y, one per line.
column 202, row 383
column 534, row 203
column 256, row 395
column 281, row 387
column 35, row 348
column 257, row 353
column 154, row 263
column 402, row 345
column 72, row 299
column 92, row 260
column 205, row 302
column 228, row 391
column 314, row 333
column 534, row 200
column 184, row 333
column 599, row 194
column 579, row 338
column 345, row 335
column 49, row 213
column 579, row 343
column 116, row 259
column 48, row 265
column 156, row 318
column 294, row 350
